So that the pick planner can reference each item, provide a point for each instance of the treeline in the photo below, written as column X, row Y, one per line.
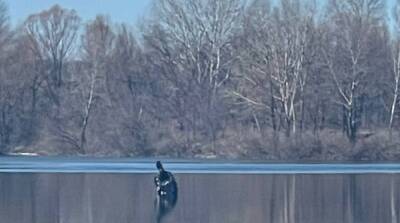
column 288, row 79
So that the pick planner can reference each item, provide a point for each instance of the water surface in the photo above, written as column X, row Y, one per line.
column 102, row 195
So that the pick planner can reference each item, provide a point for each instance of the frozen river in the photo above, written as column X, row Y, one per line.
column 68, row 190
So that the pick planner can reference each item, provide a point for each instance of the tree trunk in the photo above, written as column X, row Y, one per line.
column 273, row 115
column 86, row 114
column 394, row 102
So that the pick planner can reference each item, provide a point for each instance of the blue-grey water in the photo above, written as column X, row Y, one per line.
column 82, row 190
column 126, row 165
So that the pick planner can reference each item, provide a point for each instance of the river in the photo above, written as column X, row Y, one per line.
column 82, row 190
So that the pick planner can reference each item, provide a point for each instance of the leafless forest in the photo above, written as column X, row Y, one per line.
column 277, row 80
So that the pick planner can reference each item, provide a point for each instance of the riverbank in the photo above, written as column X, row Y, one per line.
column 326, row 145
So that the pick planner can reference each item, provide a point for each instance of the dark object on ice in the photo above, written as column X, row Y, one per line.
column 165, row 182
column 167, row 192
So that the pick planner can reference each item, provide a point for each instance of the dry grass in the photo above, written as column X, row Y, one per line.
column 248, row 143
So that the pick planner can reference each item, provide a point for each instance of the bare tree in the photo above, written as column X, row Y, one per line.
column 278, row 58
column 97, row 44
column 86, row 84
column 293, row 26
column 5, row 32
column 396, row 62
column 255, row 88
column 396, row 72
column 202, row 73
column 52, row 34
column 346, row 53
column 11, row 85
column 130, row 88
column 193, row 40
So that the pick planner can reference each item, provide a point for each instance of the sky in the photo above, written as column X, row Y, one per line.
column 127, row 11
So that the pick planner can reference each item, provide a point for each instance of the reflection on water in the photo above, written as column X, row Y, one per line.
column 164, row 205
column 216, row 198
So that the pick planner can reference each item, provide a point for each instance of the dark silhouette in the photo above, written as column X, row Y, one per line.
column 167, row 192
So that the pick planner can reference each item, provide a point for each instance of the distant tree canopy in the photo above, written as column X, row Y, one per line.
column 262, row 78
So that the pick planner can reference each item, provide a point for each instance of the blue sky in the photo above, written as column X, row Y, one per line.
column 128, row 11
